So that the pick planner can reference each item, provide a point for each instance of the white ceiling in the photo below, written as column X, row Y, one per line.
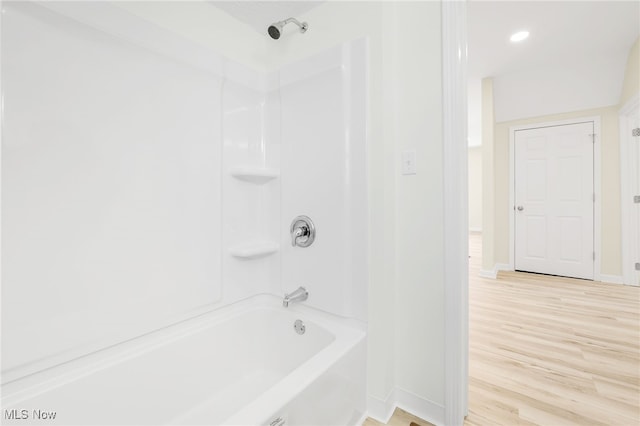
column 587, row 41
column 561, row 32
column 573, row 60
column 260, row 14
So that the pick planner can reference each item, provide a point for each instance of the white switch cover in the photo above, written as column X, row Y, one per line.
column 408, row 162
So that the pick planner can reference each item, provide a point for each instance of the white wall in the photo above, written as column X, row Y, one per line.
column 474, row 111
column 406, row 297
column 419, row 232
column 250, row 211
column 333, row 23
column 560, row 87
column 631, row 83
column 406, row 294
column 488, row 177
column 207, row 26
column 110, row 191
column 118, row 164
column 323, row 176
column 475, row 188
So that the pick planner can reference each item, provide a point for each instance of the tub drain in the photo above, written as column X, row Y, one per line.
column 277, row 422
column 299, row 327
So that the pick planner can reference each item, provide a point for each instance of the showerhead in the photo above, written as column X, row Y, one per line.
column 275, row 30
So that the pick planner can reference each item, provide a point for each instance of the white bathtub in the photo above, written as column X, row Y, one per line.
column 244, row 364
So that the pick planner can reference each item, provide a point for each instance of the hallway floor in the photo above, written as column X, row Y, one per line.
column 548, row 350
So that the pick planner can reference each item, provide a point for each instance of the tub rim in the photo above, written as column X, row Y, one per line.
column 19, row 390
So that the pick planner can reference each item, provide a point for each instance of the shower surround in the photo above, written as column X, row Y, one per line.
column 148, row 186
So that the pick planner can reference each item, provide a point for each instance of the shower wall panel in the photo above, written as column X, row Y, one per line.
column 146, row 179
column 111, row 189
column 251, row 201
column 324, row 176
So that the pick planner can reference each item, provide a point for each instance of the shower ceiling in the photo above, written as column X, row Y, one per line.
column 260, row 14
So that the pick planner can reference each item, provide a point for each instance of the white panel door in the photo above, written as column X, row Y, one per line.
column 554, row 200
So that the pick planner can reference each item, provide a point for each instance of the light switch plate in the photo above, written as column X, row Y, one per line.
column 408, row 162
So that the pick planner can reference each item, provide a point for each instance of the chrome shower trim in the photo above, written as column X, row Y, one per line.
column 303, row 25
column 275, row 29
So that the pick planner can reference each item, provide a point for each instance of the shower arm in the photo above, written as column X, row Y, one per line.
column 303, row 26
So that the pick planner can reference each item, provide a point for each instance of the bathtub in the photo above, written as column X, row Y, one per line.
column 241, row 365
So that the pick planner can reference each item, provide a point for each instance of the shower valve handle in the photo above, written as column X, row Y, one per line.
column 303, row 231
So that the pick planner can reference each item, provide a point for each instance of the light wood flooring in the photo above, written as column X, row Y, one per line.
column 550, row 351
column 399, row 418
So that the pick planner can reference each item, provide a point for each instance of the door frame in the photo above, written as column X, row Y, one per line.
column 456, row 216
column 627, row 226
column 597, row 227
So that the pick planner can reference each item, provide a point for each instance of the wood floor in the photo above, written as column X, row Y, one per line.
column 549, row 351
column 399, row 418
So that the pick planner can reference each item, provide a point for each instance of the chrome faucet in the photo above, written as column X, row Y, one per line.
column 303, row 232
column 300, row 295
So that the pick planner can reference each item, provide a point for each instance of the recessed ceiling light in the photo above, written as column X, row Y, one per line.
column 519, row 36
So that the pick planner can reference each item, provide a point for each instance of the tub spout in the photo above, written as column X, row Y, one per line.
column 300, row 295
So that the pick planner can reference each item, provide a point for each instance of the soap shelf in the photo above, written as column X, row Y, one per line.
column 254, row 249
column 257, row 175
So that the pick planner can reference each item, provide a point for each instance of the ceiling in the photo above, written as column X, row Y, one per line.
column 580, row 40
column 573, row 60
column 260, row 14
column 561, row 32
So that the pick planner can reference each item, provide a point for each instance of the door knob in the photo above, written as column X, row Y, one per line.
column 520, row 208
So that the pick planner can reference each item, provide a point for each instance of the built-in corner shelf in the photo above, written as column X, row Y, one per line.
column 257, row 175
column 254, row 249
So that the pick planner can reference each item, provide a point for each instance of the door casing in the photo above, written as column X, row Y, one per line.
column 596, row 185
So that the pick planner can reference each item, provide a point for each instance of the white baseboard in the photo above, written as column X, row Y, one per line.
column 361, row 420
column 493, row 273
column 423, row 408
column 613, row 279
column 382, row 410
column 502, row 267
